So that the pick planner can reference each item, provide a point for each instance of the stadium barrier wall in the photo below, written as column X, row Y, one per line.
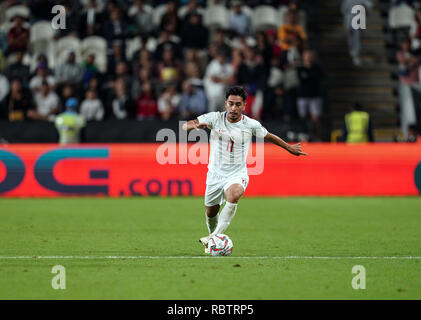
column 50, row 170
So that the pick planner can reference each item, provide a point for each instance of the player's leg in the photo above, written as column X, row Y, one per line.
column 233, row 193
column 212, row 217
column 214, row 196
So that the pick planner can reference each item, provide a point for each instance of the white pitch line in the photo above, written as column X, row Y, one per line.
column 207, row 257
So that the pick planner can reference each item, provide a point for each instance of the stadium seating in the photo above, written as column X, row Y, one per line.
column 264, row 17
column 216, row 16
column 401, row 16
column 13, row 11
column 41, row 30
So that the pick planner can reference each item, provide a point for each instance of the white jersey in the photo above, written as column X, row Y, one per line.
column 230, row 142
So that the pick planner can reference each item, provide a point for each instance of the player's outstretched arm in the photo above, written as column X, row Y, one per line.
column 294, row 149
column 194, row 124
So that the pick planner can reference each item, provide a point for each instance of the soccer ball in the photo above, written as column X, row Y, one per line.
column 220, row 245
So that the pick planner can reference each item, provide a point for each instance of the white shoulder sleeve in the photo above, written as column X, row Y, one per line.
column 209, row 118
column 257, row 129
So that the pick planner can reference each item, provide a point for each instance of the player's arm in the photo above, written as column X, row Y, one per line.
column 194, row 124
column 294, row 149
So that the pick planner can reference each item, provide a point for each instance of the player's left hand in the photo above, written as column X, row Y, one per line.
column 296, row 150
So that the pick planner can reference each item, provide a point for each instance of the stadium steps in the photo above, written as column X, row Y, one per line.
column 370, row 84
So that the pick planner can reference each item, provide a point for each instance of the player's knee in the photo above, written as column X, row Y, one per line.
column 234, row 195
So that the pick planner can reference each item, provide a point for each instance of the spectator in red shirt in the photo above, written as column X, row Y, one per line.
column 18, row 36
column 146, row 104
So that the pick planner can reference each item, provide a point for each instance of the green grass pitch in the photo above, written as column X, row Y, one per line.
column 279, row 245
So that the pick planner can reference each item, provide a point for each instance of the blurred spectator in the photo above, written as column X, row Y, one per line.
column 115, row 28
column 251, row 72
column 273, row 46
column 122, row 104
column 90, row 69
column 192, row 7
column 357, row 126
column 309, row 100
column 169, row 69
column 164, row 43
column 168, row 102
column 169, row 20
column 91, row 20
column 412, row 133
column 408, row 63
column 415, row 33
column 273, row 104
column 100, row 5
column 221, row 43
column 42, row 60
column 143, row 18
column 16, row 103
column 67, row 92
column 70, row 124
column 18, row 36
column 144, row 61
column 41, row 76
column 17, row 70
column 193, row 64
column 354, row 36
column 236, row 60
column 219, row 74
column 117, row 55
column 91, row 108
column 46, row 104
column 291, row 34
column 69, row 71
column 122, row 72
column 144, row 75
column 193, row 33
column 239, row 22
column 193, row 101
column 146, row 105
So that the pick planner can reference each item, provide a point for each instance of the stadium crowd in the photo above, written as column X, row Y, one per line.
column 405, row 27
column 156, row 59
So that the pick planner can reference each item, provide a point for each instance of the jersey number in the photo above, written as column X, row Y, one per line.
column 230, row 145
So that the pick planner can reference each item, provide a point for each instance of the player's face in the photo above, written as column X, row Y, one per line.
column 234, row 106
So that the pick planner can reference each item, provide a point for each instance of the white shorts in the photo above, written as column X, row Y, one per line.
column 217, row 185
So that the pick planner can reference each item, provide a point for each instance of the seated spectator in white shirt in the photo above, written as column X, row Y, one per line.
column 46, row 103
column 168, row 102
column 193, row 101
column 92, row 108
column 219, row 74
column 41, row 76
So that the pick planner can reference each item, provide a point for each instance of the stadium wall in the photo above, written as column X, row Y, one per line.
column 50, row 170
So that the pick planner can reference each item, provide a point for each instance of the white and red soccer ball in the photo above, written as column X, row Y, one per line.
column 220, row 245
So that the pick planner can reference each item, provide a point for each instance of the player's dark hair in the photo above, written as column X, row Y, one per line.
column 236, row 91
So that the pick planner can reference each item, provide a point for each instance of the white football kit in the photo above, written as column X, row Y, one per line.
column 229, row 146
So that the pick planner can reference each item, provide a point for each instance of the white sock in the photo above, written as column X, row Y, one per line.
column 211, row 222
column 225, row 217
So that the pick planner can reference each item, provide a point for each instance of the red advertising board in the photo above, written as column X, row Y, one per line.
column 44, row 170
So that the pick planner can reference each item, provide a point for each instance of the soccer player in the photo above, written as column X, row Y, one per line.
column 230, row 138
